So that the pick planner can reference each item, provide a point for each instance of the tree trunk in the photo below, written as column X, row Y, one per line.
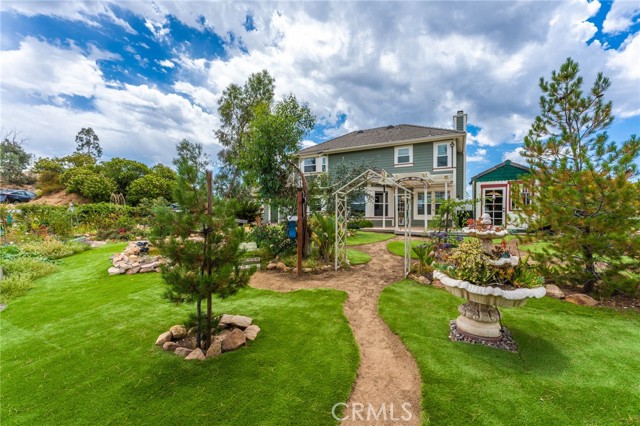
column 590, row 267
column 199, row 315
column 207, row 343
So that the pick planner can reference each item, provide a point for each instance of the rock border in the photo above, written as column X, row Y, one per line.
column 504, row 342
column 233, row 332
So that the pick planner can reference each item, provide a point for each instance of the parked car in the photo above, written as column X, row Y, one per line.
column 16, row 196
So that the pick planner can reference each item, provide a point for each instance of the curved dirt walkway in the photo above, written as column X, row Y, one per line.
column 388, row 376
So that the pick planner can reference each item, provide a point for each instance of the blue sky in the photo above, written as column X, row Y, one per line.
column 145, row 75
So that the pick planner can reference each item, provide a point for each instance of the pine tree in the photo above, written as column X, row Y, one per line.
column 201, row 243
column 87, row 142
column 582, row 183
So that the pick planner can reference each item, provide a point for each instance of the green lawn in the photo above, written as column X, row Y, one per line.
column 357, row 257
column 363, row 237
column 576, row 365
column 79, row 349
column 397, row 247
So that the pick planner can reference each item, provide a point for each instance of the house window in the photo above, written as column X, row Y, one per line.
column 381, row 199
column 309, row 165
column 421, row 203
column 323, row 164
column 442, row 155
column 404, row 156
column 429, row 204
column 439, row 197
column 525, row 196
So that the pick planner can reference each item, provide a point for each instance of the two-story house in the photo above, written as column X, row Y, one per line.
column 430, row 161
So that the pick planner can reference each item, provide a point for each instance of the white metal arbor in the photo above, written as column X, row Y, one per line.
column 342, row 212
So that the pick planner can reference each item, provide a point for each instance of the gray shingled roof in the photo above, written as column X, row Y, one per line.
column 379, row 136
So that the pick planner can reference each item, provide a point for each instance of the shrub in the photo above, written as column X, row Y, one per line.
column 98, row 187
column 359, row 223
column 52, row 248
column 150, row 186
column 33, row 266
column 273, row 239
column 14, row 286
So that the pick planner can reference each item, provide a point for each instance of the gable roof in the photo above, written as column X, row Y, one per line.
column 506, row 170
column 363, row 139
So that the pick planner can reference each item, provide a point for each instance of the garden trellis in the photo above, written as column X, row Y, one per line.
column 342, row 213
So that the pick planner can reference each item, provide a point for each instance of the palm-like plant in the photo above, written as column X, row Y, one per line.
column 324, row 235
column 423, row 251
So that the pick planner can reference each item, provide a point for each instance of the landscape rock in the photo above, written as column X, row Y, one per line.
column 164, row 338
column 281, row 266
column 187, row 342
column 133, row 270
column 307, row 270
column 196, row 354
column 437, row 284
column 554, row 291
column 115, row 271
column 178, row 331
column 581, row 299
column 251, row 332
column 215, row 349
column 240, row 321
column 272, row 266
column 225, row 319
column 183, row 352
column 423, row 280
column 233, row 341
column 170, row 346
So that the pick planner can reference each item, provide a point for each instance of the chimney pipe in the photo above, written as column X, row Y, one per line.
column 460, row 121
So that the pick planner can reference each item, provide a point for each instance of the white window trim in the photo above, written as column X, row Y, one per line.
column 395, row 156
column 450, row 163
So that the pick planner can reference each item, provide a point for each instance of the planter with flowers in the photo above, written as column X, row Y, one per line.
column 488, row 278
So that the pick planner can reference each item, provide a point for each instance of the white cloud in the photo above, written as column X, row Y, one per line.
column 377, row 63
column 166, row 63
column 515, row 156
column 307, row 143
column 623, row 14
column 480, row 156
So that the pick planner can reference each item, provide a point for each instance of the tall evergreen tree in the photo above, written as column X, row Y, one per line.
column 87, row 142
column 202, row 246
column 582, row 182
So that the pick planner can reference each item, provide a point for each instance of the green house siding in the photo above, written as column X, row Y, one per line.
column 460, row 163
column 506, row 172
column 383, row 158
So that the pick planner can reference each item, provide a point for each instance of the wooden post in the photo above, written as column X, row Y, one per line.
column 206, row 238
column 299, row 230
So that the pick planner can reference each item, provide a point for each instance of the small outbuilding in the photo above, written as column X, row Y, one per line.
column 492, row 193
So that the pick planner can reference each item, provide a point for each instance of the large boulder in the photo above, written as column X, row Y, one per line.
column 251, row 332
column 179, row 331
column 581, row 299
column 164, row 338
column 554, row 291
column 170, row 346
column 187, row 342
column 115, row 271
column 236, row 321
column 272, row 266
column 215, row 349
column 233, row 341
column 196, row 354
column 183, row 352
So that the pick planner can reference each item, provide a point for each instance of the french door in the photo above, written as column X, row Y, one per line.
column 494, row 204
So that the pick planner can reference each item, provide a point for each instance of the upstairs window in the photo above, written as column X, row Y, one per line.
column 442, row 155
column 309, row 165
column 404, row 156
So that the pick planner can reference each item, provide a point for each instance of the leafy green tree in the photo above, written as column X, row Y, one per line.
column 88, row 142
column 236, row 108
column 150, row 186
column 13, row 159
column 164, row 172
column 209, row 264
column 581, row 182
column 270, row 158
column 124, row 171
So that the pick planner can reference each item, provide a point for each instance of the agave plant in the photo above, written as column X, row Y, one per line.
column 423, row 251
column 324, row 235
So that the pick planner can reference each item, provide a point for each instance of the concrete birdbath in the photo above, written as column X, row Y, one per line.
column 479, row 320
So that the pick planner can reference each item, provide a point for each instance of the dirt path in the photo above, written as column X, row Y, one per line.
column 388, row 376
